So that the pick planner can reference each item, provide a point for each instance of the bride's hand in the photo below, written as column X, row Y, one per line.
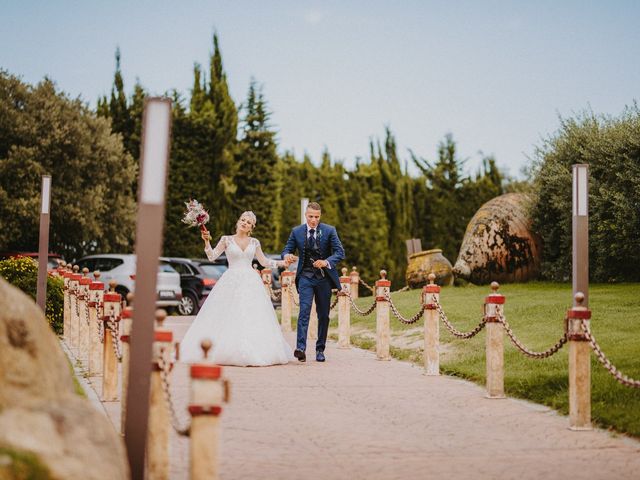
column 206, row 236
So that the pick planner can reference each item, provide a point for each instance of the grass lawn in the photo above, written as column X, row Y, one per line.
column 535, row 312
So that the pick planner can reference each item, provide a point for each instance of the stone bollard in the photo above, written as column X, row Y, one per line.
column 126, row 324
column 287, row 280
column 312, row 332
column 383, row 335
column 344, row 311
column 159, row 415
column 208, row 392
column 96, row 294
column 74, row 318
column 110, row 312
column 66, row 316
column 265, row 274
column 494, row 346
column 83, row 315
column 431, row 294
column 579, row 366
column 355, row 282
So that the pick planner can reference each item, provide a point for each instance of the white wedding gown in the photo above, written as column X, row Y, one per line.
column 238, row 316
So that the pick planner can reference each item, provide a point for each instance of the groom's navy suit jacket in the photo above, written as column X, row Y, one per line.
column 329, row 244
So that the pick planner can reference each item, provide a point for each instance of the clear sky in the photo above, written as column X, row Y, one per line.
column 495, row 74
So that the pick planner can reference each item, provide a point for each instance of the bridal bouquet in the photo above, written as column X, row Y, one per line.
column 196, row 215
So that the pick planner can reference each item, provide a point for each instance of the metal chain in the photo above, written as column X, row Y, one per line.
column 101, row 331
column 86, row 313
column 398, row 315
column 403, row 289
column 452, row 329
column 164, row 378
column 116, row 341
column 362, row 282
column 293, row 298
column 361, row 312
column 275, row 294
column 602, row 358
column 333, row 305
column 525, row 350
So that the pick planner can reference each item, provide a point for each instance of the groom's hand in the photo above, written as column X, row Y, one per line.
column 320, row 264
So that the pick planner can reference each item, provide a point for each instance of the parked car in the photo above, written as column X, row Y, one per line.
column 53, row 259
column 196, row 283
column 275, row 274
column 122, row 269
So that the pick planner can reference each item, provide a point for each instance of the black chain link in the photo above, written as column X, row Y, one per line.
column 602, row 358
column 362, row 282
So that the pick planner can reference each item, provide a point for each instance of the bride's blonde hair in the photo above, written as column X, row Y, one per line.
column 252, row 217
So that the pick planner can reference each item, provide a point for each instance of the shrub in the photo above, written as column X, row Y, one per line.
column 22, row 272
column 611, row 147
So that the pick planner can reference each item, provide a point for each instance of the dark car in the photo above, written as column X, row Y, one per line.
column 275, row 274
column 196, row 283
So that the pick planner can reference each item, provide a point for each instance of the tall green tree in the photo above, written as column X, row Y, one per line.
column 257, row 161
column 42, row 131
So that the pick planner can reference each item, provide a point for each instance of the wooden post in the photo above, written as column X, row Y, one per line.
column 83, row 314
column 355, row 282
column 159, row 416
column 265, row 274
column 431, row 295
column 344, row 311
column 287, row 282
column 74, row 323
column 579, row 366
column 127, row 319
column 383, row 335
column 96, row 294
column 208, row 392
column 494, row 347
column 111, row 312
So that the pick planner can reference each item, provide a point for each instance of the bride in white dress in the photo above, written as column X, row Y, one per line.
column 238, row 316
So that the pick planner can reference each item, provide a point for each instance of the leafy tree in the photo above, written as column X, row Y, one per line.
column 611, row 148
column 257, row 159
column 42, row 131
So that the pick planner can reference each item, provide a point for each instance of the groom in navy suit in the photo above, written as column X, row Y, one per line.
column 320, row 252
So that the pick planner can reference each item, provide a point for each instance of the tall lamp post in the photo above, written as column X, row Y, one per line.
column 156, row 130
column 43, row 247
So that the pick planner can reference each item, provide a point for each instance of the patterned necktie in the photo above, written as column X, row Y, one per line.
column 312, row 238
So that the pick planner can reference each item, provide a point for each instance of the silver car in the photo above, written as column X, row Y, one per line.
column 122, row 269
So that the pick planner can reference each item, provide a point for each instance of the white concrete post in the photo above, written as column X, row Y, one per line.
column 494, row 347
column 579, row 366
column 208, row 392
column 111, row 312
column 344, row 312
column 287, row 282
column 96, row 294
column 74, row 322
column 83, row 314
column 383, row 333
column 355, row 282
column 127, row 319
column 159, row 419
column 431, row 295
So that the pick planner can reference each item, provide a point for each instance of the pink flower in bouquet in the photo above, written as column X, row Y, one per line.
column 196, row 215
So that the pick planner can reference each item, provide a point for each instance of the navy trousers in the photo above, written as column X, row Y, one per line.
column 308, row 288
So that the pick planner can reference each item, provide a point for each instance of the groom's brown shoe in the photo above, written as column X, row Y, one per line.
column 300, row 355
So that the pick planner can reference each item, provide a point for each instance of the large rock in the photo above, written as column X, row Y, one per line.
column 41, row 416
column 499, row 243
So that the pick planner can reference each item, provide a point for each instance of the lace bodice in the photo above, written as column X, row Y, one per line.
column 238, row 257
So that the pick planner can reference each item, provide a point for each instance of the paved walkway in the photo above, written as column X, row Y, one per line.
column 354, row 417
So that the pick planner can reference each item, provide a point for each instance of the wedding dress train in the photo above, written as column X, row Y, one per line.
column 238, row 316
